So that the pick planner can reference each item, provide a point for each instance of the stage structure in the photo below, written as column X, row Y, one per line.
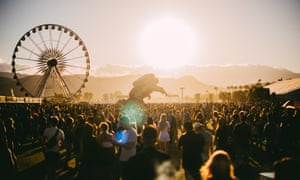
column 134, row 107
column 50, row 60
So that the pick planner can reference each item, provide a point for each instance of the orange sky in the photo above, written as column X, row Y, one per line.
column 265, row 32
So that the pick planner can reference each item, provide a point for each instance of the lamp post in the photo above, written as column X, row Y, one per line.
column 181, row 88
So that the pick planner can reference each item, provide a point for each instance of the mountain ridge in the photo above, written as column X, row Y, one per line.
column 194, row 79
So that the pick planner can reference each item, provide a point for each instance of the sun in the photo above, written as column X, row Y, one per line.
column 167, row 43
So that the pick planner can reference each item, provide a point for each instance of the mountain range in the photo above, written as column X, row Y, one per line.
column 216, row 75
column 193, row 79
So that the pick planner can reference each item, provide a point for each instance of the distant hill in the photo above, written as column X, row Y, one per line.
column 215, row 75
column 194, row 79
column 101, row 85
column 239, row 75
column 6, row 75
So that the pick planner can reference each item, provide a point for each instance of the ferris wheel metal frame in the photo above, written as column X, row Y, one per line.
column 50, row 59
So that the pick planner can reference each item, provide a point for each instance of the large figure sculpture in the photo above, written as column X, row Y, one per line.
column 144, row 86
column 134, row 107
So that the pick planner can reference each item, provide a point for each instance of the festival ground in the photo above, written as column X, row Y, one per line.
column 30, row 163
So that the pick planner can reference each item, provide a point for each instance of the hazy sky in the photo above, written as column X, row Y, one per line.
column 265, row 32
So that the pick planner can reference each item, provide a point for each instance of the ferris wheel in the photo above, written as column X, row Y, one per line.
column 50, row 60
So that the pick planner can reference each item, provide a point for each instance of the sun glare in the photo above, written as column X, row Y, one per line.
column 167, row 43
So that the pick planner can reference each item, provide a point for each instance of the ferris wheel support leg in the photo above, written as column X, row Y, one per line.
column 41, row 86
column 63, row 84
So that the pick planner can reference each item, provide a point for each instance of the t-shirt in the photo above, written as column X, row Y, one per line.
column 192, row 145
column 145, row 163
column 49, row 133
column 125, row 152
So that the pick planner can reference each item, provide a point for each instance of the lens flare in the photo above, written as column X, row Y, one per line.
column 135, row 111
column 121, row 137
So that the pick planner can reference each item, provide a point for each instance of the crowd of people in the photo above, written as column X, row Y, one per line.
column 214, row 139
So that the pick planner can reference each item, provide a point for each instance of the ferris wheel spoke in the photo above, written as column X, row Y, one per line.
column 74, row 58
column 35, row 44
column 30, row 59
column 66, row 44
column 50, row 36
column 42, row 69
column 28, row 68
column 59, row 38
column 43, row 41
column 73, row 66
column 71, row 50
column 30, row 50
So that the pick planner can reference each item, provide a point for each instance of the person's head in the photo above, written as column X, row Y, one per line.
column 218, row 166
column 242, row 115
column 286, row 168
column 149, row 136
column 163, row 117
column 188, row 126
column 104, row 127
column 81, row 119
column 150, row 120
column 162, row 121
column 197, row 126
column 124, row 120
column 70, row 121
column 53, row 121
column 216, row 114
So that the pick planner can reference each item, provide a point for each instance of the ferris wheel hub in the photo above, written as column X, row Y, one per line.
column 52, row 63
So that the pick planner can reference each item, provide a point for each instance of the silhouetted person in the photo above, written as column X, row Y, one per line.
column 173, row 127
column 207, row 135
column 150, row 122
column 11, row 133
column 78, row 134
column 272, row 134
column 106, row 143
column 145, row 164
column 89, row 156
column 191, row 145
column 222, row 135
column 127, row 142
column 52, row 153
column 163, row 128
column 241, row 135
column 69, row 136
column 8, row 166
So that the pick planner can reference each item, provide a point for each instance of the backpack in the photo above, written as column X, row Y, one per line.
column 52, row 141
